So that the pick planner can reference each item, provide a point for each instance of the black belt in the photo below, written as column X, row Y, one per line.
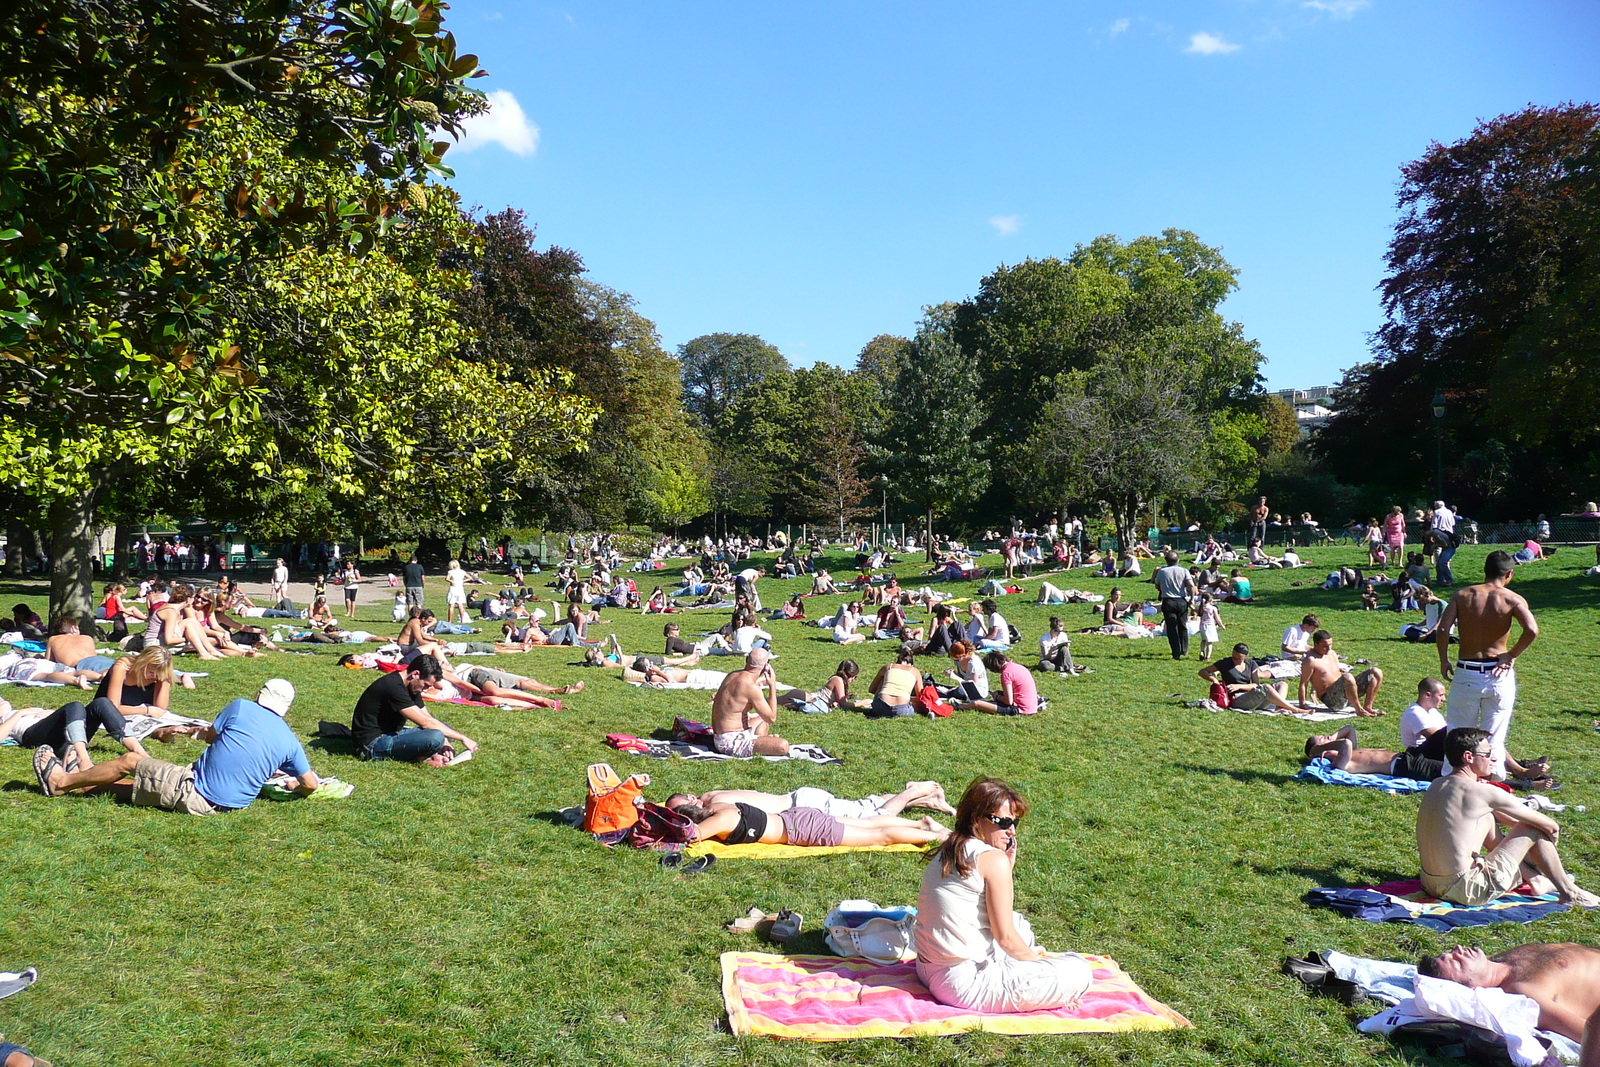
column 1484, row 666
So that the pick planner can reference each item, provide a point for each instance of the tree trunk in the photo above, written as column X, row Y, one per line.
column 122, row 550
column 16, row 538
column 928, row 532
column 72, row 548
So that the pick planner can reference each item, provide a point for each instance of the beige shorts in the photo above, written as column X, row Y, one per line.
column 1489, row 877
column 1337, row 698
column 740, row 743
column 159, row 784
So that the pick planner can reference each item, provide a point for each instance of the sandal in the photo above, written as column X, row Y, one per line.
column 747, row 923
column 44, row 765
column 786, row 927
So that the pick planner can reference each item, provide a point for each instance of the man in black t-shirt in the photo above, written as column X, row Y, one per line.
column 411, row 574
column 390, row 706
column 1249, row 687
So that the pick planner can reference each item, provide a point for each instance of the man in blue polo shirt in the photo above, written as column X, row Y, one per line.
column 250, row 742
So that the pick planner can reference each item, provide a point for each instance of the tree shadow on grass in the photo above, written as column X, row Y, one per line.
column 1248, row 777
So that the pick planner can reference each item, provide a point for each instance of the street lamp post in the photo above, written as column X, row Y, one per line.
column 883, row 487
column 1438, row 405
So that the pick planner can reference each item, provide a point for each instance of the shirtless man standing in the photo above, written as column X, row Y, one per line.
column 1563, row 979
column 1485, row 691
column 744, row 695
column 1336, row 687
column 1458, row 816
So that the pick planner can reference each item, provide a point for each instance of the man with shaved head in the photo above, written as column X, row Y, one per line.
column 745, row 708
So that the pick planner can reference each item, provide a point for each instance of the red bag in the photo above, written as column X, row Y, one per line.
column 659, row 826
column 929, row 703
column 687, row 730
column 1221, row 695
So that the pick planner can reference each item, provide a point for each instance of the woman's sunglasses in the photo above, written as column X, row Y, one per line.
column 1004, row 822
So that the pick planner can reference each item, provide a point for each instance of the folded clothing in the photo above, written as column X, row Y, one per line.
column 825, row 998
column 1405, row 902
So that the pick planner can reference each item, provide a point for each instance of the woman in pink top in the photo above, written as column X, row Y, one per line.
column 1017, row 693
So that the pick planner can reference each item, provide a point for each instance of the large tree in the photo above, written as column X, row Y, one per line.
column 1033, row 322
column 143, row 175
column 1123, row 434
column 929, row 435
column 718, row 368
column 1493, row 270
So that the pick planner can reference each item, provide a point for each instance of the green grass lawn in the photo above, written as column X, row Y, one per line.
column 446, row 917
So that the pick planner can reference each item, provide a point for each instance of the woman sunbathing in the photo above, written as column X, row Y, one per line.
column 745, row 824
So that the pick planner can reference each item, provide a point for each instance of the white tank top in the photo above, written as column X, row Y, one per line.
column 953, row 913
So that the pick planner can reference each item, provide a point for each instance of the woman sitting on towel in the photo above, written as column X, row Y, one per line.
column 973, row 951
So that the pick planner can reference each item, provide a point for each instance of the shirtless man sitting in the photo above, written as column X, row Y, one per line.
column 745, row 708
column 1340, row 750
column 1336, row 687
column 914, row 795
column 745, row 824
column 1563, row 979
column 1458, row 816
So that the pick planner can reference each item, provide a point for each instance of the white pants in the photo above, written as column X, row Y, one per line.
column 809, row 796
column 1479, row 699
column 1001, row 983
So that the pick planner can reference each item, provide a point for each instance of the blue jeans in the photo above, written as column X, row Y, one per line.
column 442, row 627
column 407, row 746
column 72, row 723
column 1445, row 575
column 882, row 709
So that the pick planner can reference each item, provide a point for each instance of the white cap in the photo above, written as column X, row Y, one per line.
column 540, row 613
column 276, row 695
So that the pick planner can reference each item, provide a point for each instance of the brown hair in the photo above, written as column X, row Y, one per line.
column 984, row 796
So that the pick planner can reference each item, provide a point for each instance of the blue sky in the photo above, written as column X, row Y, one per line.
column 816, row 173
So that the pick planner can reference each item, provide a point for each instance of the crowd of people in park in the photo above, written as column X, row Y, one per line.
column 1475, row 840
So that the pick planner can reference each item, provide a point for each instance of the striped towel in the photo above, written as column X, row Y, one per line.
column 826, row 998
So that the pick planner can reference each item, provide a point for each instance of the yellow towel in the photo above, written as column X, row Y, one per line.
column 758, row 851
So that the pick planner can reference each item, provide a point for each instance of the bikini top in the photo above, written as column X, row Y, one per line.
column 750, row 828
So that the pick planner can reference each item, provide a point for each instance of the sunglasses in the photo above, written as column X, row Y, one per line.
column 1004, row 822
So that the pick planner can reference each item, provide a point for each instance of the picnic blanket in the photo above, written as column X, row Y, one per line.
column 724, row 851
column 1208, row 704
column 1320, row 770
column 825, row 998
column 655, row 748
column 1406, row 902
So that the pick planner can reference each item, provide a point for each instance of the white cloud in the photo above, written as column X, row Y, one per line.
column 1005, row 225
column 1210, row 44
column 503, row 124
column 1120, row 26
column 1339, row 9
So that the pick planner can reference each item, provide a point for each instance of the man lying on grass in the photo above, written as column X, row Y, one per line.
column 914, row 795
column 1340, row 750
column 1563, row 979
column 249, row 741
column 1458, row 816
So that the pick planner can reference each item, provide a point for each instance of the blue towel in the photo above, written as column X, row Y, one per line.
column 1320, row 770
column 1371, row 906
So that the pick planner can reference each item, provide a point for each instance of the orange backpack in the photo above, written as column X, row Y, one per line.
column 612, row 804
